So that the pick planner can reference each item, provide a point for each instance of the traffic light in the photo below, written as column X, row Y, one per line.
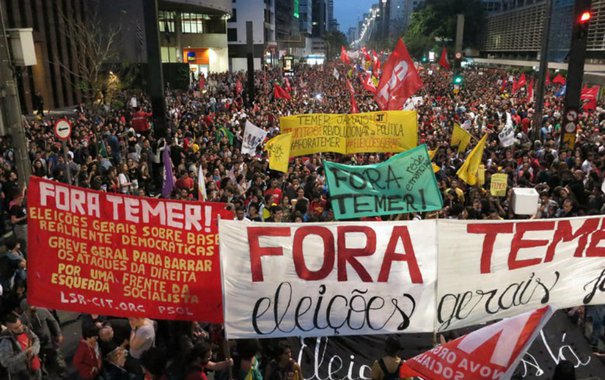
column 424, row 59
column 458, row 79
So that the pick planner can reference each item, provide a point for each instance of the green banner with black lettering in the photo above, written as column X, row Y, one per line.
column 405, row 183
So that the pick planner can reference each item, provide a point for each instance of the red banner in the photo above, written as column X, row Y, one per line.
column 119, row 255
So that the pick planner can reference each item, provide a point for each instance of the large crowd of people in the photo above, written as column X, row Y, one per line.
column 115, row 149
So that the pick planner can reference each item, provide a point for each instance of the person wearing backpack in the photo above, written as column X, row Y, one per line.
column 387, row 367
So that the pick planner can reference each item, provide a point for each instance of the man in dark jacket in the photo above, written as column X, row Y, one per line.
column 19, row 349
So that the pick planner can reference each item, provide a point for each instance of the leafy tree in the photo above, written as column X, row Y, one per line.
column 334, row 40
column 438, row 18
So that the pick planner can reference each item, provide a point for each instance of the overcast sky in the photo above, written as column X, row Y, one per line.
column 349, row 12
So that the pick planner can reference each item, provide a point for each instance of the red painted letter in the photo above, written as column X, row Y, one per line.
column 348, row 254
column 563, row 233
column 400, row 232
column 299, row 256
column 491, row 230
column 518, row 243
column 256, row 251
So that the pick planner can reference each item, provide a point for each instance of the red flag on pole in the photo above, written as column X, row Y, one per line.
column 344, row 57
column 238, row 87
column 522, row 81
column 443, row 62
column 492, row 352
column 399, row 79
column 588, row 97
column 530, row 91
column 559, row 79
column 280, row 93
column 368, row 84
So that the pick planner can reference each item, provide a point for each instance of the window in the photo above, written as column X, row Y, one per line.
column 166, row 21
column 233, row 16
column 232, row 34
column 193, row 22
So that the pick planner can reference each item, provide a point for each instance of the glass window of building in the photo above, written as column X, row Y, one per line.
column 166, row 20
column 193, row 22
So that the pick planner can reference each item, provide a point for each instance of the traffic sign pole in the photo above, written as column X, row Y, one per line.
column 63, row 132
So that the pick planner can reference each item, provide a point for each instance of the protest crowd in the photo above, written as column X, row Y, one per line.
column 115, row 149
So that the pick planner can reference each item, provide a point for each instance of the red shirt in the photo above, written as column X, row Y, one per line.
column 24, row 342
column 139, row 121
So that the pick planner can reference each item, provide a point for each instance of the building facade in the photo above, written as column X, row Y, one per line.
column 195, row 32
column 262, row 15
column 516, row 30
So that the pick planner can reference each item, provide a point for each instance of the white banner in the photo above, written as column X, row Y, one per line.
column 314, row 279
column 253, row 136
column 498, row 269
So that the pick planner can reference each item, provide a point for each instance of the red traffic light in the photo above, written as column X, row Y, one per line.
column 585, row 17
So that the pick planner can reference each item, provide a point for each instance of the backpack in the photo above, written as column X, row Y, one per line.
column 389, row 376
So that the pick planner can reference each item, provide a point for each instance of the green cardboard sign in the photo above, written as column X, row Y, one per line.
column 405, row 183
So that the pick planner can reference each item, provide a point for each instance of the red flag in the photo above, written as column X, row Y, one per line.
column 280, row 93
column 559, row 79
column 515, row 87
column 354, row 108
column 366, row 56
column 399, row 79
column 344, row 57
column 238, row 87
column 287, row 87
column 588, row 97
column 491, row 352
column 368, row 84
column 443, row 62
column 530, row 91
column 522, row 81
column 547, row 82
column 375, row 64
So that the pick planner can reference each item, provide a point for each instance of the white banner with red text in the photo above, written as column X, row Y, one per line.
column 496, row 269
column 328, row 279
column 354, row 278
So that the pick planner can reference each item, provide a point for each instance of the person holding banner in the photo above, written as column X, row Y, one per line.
column 283, row 367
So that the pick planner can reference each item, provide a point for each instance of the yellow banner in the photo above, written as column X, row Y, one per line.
column 371, row 132
column 279, row 151
column 499, row 185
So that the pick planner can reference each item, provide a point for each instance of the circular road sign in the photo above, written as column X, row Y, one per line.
column 458, row 55
column 62, row 129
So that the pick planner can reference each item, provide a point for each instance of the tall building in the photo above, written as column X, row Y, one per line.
column 319, row 18
column 187, row 26
column 287, row 25
column 262, row 15
column 352, row 34
column 516, row 30
column 305, row 11
column 195, row 32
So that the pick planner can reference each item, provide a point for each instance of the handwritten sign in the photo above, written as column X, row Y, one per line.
column 511, row 267
column 118, row 255
column 498, row 185
column 312, row 279
column 385, row 131
column 404, row 183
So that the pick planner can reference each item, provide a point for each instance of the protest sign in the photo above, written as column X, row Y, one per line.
column 404, row 183
column 253, row 136
column 351, row 357
column 510, row 267
column 110, row 254
column 313, row 279
column 499, row 183
column 492, row 352
column 387, row 131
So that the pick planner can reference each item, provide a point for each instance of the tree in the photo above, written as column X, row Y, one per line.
column 334, row 40
column 437, row 19
column 95, row 47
